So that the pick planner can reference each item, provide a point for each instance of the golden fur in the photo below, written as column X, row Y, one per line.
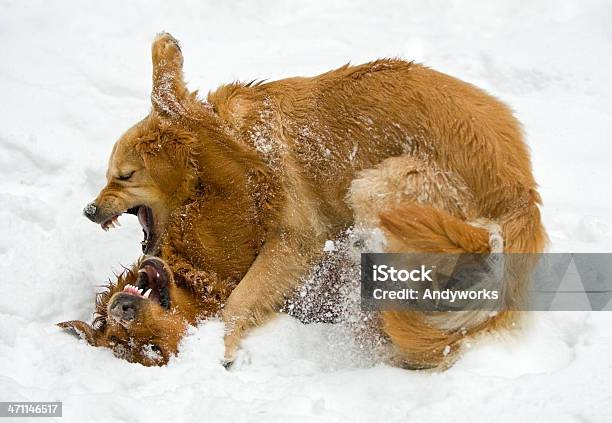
column 155, row 334
column 192, row 241
column 155, row 329
column 430, row 160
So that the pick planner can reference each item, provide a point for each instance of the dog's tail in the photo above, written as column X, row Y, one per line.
column 427, row 340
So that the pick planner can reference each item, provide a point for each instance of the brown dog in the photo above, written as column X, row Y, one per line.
column 435, row 163
column 144, row 314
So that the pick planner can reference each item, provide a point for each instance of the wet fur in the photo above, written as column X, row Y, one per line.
column 389, row 144
column 190, row 243
column 195, row 295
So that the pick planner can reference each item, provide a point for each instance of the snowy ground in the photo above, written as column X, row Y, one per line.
column 74, row 75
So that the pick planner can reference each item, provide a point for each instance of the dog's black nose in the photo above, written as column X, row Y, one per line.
column 125, row 307
column 90, row 211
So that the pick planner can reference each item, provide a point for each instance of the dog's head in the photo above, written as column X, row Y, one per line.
column 181, row 148
column 150, row 172
column 152, row 168
column 142, row 318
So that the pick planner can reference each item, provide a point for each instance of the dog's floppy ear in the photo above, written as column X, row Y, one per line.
column 79, row 329
column 169, row 92
column 169, row 96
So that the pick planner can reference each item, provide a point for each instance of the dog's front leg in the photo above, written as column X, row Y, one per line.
column 272, row 277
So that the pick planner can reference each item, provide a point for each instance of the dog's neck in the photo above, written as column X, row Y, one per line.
column 230, row 197
column 231, row 168
column 190, row 307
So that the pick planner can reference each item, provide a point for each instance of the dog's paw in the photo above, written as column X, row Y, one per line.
column 231, row 346
column 166, row 49
column 241, row 358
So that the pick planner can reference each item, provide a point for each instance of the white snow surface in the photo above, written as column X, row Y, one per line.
column 75, row 74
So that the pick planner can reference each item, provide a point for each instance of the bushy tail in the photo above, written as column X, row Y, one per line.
column 426, row 229
column 427, row 340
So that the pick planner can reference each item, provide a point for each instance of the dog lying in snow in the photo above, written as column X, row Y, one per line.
column 144, row 314
column 434, row 163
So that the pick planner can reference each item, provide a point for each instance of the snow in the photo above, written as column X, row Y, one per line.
column 329, row 246
column 74, row 75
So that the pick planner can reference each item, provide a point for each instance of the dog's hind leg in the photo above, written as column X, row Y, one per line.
column 399, row 181
column 420, row 208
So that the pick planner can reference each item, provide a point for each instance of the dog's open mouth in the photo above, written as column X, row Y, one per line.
column 145, row 218
column 152, row 283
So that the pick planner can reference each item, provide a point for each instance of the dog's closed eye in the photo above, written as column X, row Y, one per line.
column 127, row 176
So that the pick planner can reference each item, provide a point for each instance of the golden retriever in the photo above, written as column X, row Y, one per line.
column 144, row 314
column 435, row 163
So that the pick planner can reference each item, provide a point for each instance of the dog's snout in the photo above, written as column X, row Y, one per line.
column 125, row 308
column 90, row 211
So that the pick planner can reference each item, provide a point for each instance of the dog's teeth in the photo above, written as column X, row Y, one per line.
column 146, row 294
